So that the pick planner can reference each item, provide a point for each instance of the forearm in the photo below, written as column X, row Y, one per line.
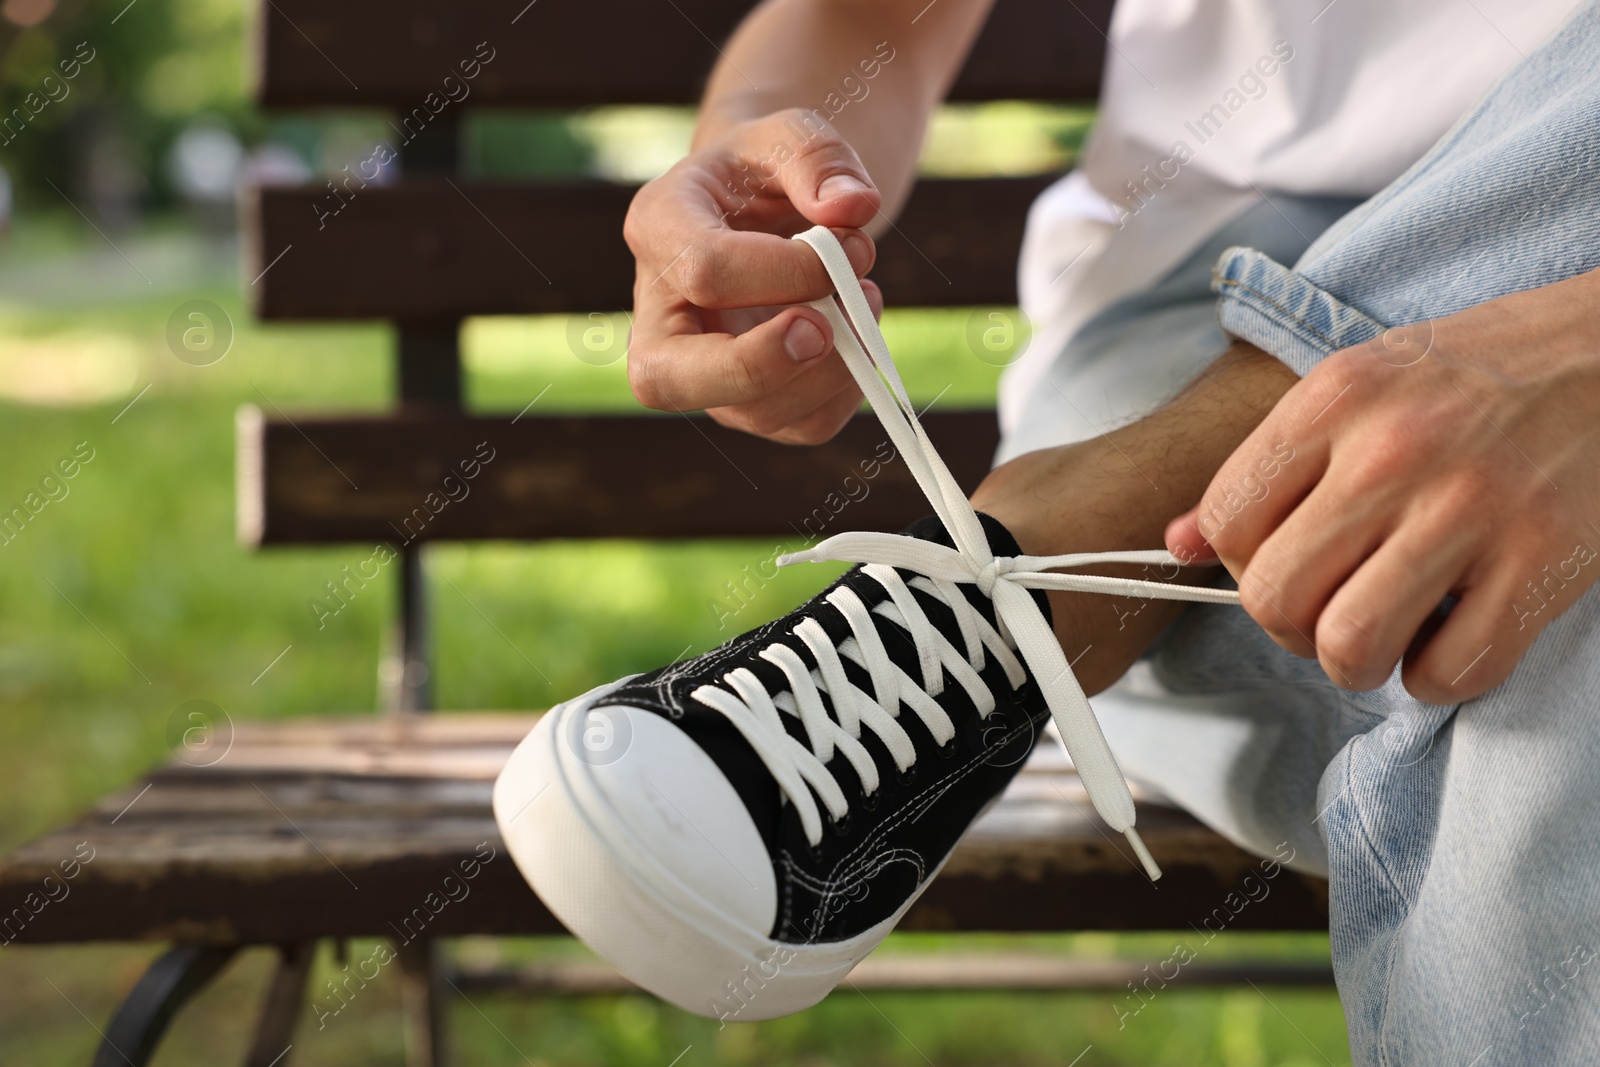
column 875, row 71
column 1119, row 491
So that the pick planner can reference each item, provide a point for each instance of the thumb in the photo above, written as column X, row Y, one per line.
column 1185, row 541
column 824, row 178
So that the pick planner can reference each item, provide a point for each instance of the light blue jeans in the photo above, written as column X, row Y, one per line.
column 1462, row 844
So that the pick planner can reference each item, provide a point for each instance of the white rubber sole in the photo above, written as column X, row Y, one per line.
column 609, row 886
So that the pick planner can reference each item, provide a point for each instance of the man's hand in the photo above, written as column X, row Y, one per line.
column 714, row 326
column 1453, row 459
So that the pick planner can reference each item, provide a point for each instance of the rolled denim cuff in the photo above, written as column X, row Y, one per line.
column 1284, row 313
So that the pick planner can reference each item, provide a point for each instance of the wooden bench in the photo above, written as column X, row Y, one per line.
column 346, row 827
column 380, row 826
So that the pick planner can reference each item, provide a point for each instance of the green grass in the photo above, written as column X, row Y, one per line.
column 129, row 596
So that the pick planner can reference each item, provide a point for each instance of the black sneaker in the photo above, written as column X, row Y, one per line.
column 734, row 837
column 734, row 833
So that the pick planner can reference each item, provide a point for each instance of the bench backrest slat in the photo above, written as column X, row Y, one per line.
column 402, row 478
column 582, row 53
column 426, row 250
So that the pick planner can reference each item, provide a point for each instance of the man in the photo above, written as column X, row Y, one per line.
column 1394, row 449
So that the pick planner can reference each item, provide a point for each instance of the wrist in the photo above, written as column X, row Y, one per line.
column 1119, row 491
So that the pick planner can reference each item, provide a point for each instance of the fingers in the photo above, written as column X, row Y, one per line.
column 680, row 255
column 1298, row 567
column 715, row 228
column 779, row 379
column 1276, row 466
column 1184, row 540
column 672, row 366
column 1372, row 619
column 714, row 257
column 1255, row 490
column 1500, row 615
column 1476, row 648
column 786, row 408
column 812, row 427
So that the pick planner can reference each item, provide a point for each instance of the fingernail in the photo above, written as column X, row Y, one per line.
column 858, row 251
column 840, row 185
column 803, row 341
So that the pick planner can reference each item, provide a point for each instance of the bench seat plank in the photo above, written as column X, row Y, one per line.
column 344, row 827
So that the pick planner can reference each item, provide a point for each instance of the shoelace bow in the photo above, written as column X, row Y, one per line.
column 1005, row 580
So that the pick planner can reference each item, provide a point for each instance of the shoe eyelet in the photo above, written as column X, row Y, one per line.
column 907, row 776
column 948, row 749
column 869, row 801
column 841, row 827
column 815, row 853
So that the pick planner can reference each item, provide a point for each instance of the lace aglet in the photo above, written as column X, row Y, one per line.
column 1149, row 861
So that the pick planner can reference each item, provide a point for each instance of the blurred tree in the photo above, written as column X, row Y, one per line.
column 142, row 71
column 154, row 67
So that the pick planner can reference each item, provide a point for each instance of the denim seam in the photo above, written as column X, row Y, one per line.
column 1361, row 824
column 1230, row 283
column 1382, row 863
column 1381, row 1042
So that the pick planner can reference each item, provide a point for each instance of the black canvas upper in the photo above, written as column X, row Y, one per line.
column 869, row 864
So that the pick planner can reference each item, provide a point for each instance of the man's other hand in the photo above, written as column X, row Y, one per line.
column 1431, row 497
column 717, row 278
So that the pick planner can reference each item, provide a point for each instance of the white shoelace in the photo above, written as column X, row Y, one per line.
column 800, row 768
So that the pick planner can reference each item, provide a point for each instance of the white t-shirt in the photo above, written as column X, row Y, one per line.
column 1209, row 103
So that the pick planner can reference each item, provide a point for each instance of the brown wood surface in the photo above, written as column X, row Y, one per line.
column 317, row 480
column 566, row 53
column 431, row 249
column 344, row 828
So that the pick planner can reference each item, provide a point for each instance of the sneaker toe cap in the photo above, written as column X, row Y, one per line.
column 652, row 800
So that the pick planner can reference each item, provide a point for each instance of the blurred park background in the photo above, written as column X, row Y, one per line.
column 128, row 595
